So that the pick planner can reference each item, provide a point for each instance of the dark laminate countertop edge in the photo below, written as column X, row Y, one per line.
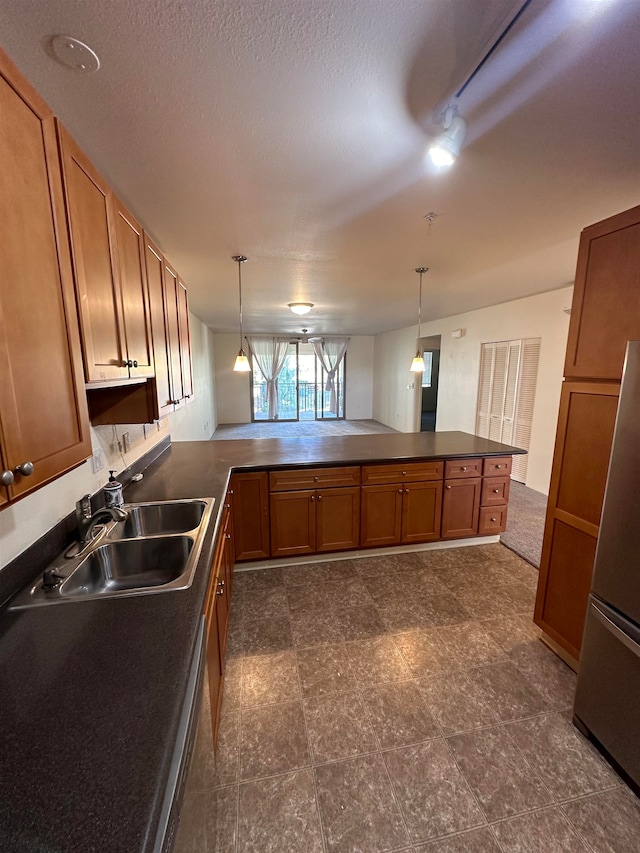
column 47, row 798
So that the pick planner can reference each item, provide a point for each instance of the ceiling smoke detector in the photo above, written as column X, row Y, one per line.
column 74, row 54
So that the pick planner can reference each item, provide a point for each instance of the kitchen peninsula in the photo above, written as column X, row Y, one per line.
column 93, row 690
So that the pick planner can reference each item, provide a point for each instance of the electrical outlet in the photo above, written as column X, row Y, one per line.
column 126, row 444
column 158, row 425
column 146, row 429
column 98, row 460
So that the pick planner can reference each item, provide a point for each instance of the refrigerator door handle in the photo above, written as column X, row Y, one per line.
column 617, row 632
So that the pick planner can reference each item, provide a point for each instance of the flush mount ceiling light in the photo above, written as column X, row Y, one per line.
column 74, row 53
column 445, row 148
column 242, row 362
column 417, row 365
column 300, row 307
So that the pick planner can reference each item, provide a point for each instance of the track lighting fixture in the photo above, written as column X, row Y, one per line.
column 445, row 148
column 242, row 362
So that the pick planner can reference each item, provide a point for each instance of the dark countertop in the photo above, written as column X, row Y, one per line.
column 91, row 691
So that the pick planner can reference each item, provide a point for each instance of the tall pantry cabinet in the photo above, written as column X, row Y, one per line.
column 43, row 412
column 605, row 314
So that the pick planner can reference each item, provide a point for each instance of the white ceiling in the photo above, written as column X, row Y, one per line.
column 294, row 131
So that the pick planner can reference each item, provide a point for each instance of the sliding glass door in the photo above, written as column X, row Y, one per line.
column 301, row 388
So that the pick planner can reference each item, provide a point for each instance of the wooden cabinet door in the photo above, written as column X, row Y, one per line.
column 605, row 311
column 338, row 519
column 586, row 421
column 214, row 670
column 88, row 202
column 381, row 519
column 132, row 278
column 461, row 508
column 159, row 332
column 173, row 335
column 251, row 515
column 185, row 343
column 43, row 411
column 421, row 512
column 293, row 523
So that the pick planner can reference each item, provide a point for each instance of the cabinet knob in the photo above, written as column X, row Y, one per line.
column 230, row 492
column 406, row 491
column 447, row 487
column 7, row 478
column 399, row 491
column 175, row 402
column 319, row 497
column 494, row 519
column 227, row 536
column 135, row 363
column 312, row 498
column 496, row 491
column 464, row 467
column 404, row 473
column 128, row 363
column 498, row 466
column 220, row 591
column 315, row 479
column 26, row 469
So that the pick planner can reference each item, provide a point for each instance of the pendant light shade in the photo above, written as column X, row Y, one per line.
column 242, row 362
column 417, row 365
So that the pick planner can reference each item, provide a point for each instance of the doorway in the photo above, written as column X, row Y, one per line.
column 427, row 384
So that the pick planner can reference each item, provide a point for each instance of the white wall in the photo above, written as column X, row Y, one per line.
column 28, row 519
column 536, row 316
column 232, row 389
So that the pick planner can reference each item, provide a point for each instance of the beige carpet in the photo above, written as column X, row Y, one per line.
column 525, row 522
column 298, row 428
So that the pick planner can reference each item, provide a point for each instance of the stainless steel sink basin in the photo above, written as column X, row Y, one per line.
column 155, row 549
column 129, row 564
column 159, row 519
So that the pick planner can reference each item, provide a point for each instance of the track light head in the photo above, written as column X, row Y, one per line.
column 445, row 148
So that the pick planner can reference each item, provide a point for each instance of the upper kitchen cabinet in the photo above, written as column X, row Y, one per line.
column 605, row 313
column 44, row 428
column 185, row 343
column 108, row 258
column 170, row 329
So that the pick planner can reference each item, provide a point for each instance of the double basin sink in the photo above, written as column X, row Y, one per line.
column 154, row 549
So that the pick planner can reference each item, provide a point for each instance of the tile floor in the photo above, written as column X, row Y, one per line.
column 404, row 703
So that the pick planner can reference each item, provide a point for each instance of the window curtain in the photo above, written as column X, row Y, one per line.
column 270, row 355
column 330, row 352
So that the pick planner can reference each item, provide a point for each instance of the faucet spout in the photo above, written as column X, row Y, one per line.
column 88, row 521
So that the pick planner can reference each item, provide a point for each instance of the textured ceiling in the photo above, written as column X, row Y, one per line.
column 294, row 131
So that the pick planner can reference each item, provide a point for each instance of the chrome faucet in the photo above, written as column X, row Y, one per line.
column 87, row 520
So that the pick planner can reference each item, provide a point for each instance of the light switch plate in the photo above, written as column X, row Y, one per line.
column 98, row 460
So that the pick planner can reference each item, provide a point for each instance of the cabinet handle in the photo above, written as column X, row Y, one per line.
column 26, row 469
column 230, row 492
column 7, row 478
column 220, row 591
column 498, row 466
column 399, row 491
column 128, row 363
column 494, row 519
column 227, row 536
column 135, row 363
column 447, row 487
column 312, row 498
column 496, row 491
column 175, row 402
column 464, row 468
column 319, row 497
column 404, row 473
column 315, row 479
column 406, row 491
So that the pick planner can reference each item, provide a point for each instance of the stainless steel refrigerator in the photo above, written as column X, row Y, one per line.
column 607, row 703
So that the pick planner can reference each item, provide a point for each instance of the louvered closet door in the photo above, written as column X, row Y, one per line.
column 487, row 358
column 528, row 379
column 498, row 390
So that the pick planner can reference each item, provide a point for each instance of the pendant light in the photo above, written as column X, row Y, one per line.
column 242, row 362
column 417, row 365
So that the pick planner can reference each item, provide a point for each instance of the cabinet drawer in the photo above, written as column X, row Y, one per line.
column 497, row 466
column 493, row 519
column 293, row 479
column 462, row 468
column 495, row 490
column 410, row 472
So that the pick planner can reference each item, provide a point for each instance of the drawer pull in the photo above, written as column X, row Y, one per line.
column 498, row 466
column 494, row 519
column 447, row 487
column 404, row 473
column 496, row 491
column 406, row 491
column 319, row 497
column 464, row 468
column 315, row 479
column 312, row 498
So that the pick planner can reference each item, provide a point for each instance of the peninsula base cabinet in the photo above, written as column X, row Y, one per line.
column 397, row 514
column 314, row 510
column 250, row 494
